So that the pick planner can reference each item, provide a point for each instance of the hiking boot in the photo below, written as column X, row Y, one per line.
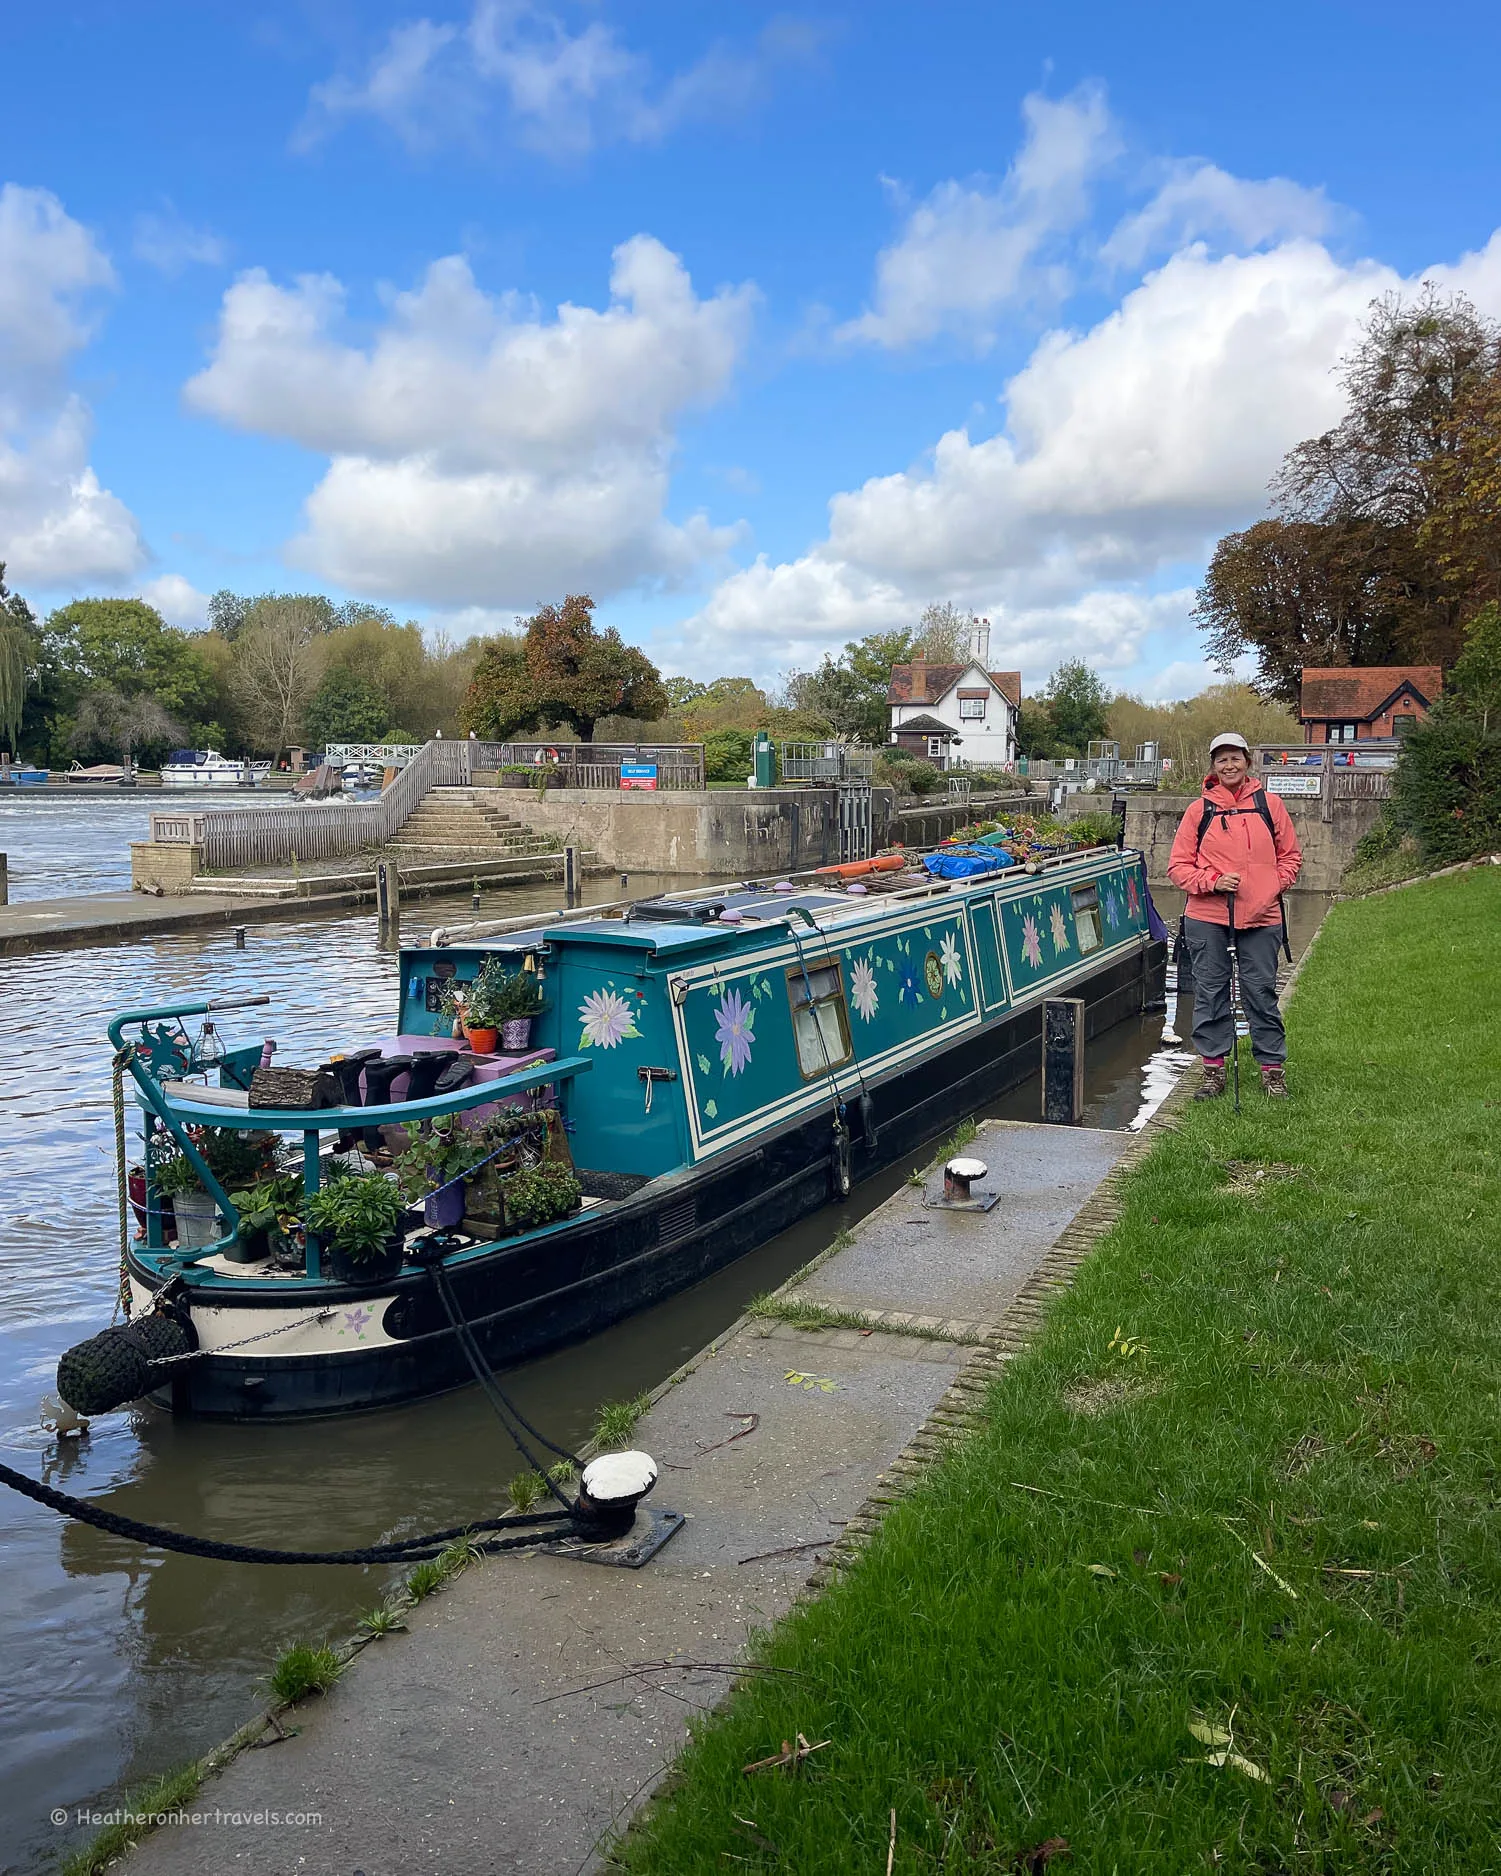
column 1274, row 1080
column 1214, row 1082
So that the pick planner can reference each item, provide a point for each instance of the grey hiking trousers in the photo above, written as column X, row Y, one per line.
column 1214, row 1028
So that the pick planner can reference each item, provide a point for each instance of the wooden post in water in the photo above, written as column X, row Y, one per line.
column 4, row 880
column 1062, row 1059
column 570, row 876
column 387, row 895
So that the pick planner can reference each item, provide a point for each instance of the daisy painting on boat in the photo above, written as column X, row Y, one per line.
column 863, row 993
column 605, row 1020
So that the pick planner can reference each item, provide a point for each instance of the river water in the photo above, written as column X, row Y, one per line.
column 120, row 1663
column 65, row 840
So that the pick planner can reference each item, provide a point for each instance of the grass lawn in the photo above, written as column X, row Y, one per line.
column 1248, row 1615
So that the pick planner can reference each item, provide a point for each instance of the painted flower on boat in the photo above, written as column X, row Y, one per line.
column 1031, row 942
column 948, row 952
column 863, row 993
column 1060, row 930
column 910, row 993
column 1133, row 897
column 734, row 1032
column 606, row 1019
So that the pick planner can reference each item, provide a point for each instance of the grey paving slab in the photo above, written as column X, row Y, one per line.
column 936, row 1264
column 465, row 1747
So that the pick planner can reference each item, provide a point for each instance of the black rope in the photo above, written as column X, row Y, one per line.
column 506, row 1411
column 401, row 1550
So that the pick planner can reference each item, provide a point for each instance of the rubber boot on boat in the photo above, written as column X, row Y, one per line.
column 426, row 1069
column 346, row 1070
column 379, row 1075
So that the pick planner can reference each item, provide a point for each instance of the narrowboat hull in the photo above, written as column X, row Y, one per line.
column 571, row 1280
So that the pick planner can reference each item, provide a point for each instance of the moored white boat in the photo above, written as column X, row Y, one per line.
column 206, row 768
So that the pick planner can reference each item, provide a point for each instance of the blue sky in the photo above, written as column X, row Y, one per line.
column 859, row 308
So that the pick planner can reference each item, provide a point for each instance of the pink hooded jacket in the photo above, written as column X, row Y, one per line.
column 1237, row 840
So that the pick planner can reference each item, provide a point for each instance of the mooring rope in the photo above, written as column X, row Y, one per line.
column 403, row 1550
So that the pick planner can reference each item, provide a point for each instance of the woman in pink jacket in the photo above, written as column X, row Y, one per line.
column 1235, row 849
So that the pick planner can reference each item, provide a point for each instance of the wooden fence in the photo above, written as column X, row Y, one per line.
column 596, row 765
column 235, row 838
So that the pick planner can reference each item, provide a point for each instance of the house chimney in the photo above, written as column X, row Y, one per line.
column 920, row 678
column 979, row 643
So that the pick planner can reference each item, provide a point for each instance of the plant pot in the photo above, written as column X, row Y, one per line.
column 516, row 1034
column 197, row 1219
column 516, row 781
column 251, row 1247
column 380, row 1268
column 443, row 1210
column 482, row 1041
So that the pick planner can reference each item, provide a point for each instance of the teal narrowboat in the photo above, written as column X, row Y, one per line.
column 705, row 1070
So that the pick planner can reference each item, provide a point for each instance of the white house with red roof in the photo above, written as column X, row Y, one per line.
column 957, row 714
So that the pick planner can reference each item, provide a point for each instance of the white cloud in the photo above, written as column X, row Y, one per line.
column 1203, row 202
column 561, row 92
column 57, row 524
column 171, row 245
column 178, row 601
column 969, row 250
column 483, row 454
column 1127, row 449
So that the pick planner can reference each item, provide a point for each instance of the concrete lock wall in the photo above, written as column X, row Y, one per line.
column 722, row 832
column 1328, row 846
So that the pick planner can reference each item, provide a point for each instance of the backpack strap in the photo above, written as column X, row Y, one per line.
column 1258, row 806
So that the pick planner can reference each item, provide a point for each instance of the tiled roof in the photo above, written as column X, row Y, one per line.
column 926, row 726
column 1356, row 693
column 939, row 678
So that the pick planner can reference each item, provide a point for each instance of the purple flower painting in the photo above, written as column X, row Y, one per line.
column 1032, row 942
column 733, row 1031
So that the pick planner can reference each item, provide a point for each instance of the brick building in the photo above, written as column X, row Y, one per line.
column 1354, row 703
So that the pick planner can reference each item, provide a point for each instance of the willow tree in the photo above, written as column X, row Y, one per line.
column 17, row 657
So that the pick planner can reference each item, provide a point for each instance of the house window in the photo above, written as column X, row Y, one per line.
column 1404, row 724
column 820, row 1021
column 1344, row 732
column 935, row 749
column 972, row 707
column 1087, row 918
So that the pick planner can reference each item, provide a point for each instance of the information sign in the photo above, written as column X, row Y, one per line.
column 1291, row 784
column 638, row 775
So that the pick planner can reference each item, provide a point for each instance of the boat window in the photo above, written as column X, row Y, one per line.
column 819, row 1019
column 1087, row 917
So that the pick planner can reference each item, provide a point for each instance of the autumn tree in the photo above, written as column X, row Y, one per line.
column 943, row 633
column 563, row 670
column 1387, row 531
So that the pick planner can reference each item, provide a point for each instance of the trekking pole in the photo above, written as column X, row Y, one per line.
column 1235, row 1011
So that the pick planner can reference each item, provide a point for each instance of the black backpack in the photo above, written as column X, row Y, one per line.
column 1258, row 806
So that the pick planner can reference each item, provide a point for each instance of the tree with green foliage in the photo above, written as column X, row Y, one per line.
column 1077, row 701
column 127, row 646
column 1035, row 736
column 943, row 633
column 346, row 708
column 565, row 671
column 727, row 756
column 850, row 692
column 123, row 722
column 1475, row 680
column 20, row 646
column 680, row 691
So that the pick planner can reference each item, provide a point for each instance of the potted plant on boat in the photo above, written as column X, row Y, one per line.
column 481, row 1010
column 539, row 1195
column 434, row 1167
column 188, row 1214
column 268, row 1211
column 358, row 1217
column 518, row 1001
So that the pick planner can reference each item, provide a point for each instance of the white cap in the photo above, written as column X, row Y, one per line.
column 1228, row 739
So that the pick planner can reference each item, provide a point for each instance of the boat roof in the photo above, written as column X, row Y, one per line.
column 704, row 920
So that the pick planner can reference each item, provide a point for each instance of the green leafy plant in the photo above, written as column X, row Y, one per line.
column 1091, row 830
column 175, row 1176
column 525, row 1489
column 359, row 1213
column 235, row 1158
column 497, row 995
column 385, row 1619
column 302, row 1670
column 267, row 1208
column 536, row 1195
column 440, row 1153
column 615, row 1424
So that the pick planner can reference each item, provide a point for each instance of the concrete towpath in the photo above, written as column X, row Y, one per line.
column 536, row 1702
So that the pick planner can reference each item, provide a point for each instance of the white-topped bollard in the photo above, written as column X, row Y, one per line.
column 959, row 1175
column 611, row 1488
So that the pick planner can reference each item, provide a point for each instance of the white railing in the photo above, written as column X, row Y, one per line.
column 177, row 830
column 383, row 755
